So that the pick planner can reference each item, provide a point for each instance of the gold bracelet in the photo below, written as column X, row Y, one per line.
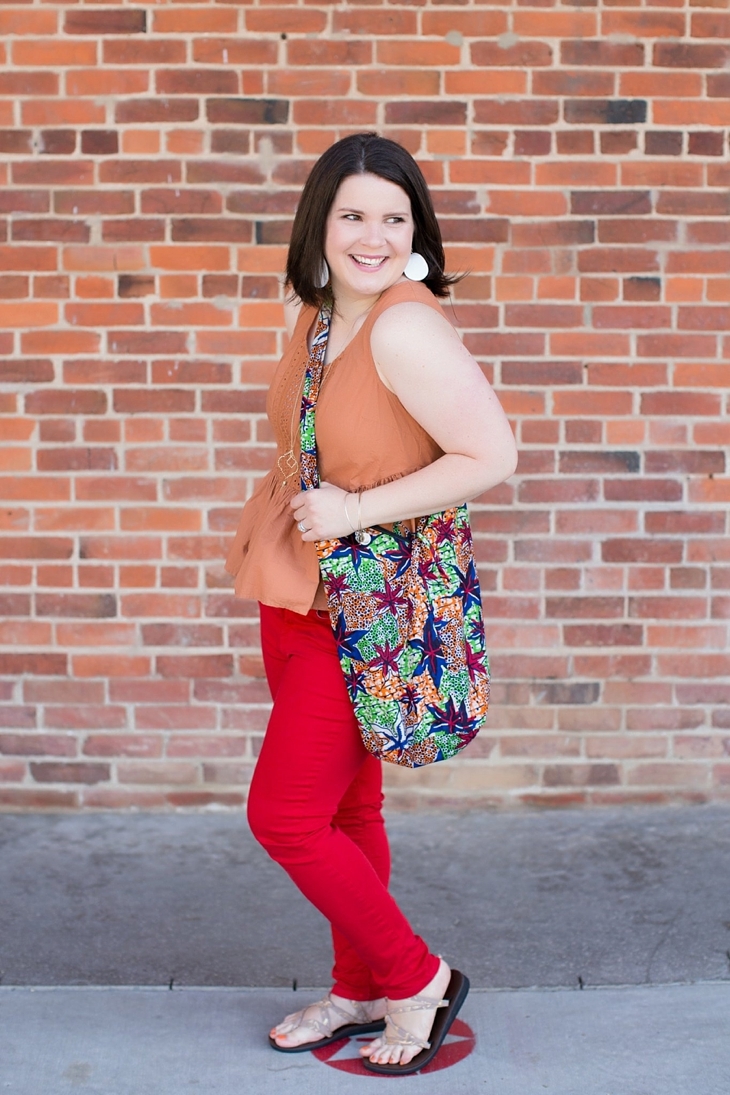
column 361, row 536
column 347, row 515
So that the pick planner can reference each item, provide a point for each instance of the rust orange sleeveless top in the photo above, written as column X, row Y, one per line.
column 365, row 437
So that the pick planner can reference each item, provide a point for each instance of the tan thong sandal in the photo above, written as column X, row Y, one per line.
column 456, row 993
column 359, row 1022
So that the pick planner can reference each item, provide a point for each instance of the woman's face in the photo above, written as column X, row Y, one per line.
column 368, row 236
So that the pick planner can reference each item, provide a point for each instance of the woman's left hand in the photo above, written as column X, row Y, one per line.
column 322, row 512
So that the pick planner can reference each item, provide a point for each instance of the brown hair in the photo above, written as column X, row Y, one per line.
column 359, row 154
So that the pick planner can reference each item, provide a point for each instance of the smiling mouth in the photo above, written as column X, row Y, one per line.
column 369, row 262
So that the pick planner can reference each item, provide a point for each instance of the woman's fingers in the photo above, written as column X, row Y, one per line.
column 321, row 512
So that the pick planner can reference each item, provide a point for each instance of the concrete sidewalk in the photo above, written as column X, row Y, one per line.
column 663, row 1040
column 633, row 904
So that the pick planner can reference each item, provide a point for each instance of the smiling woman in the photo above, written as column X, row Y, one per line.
column 406, row 425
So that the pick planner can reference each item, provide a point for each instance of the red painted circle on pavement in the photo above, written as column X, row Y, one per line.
column 345, row 1053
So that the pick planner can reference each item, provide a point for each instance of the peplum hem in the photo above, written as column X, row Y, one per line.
column 268, row 558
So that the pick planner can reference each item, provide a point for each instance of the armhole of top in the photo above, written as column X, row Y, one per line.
column 304, row 321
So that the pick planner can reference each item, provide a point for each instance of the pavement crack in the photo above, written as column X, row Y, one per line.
column 659, row 943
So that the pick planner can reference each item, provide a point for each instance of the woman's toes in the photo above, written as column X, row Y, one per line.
column 281, row 1037
column 372, row 1048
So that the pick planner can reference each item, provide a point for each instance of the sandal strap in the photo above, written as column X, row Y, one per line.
column 397, row 1035
column 360, row 1014
column 420, row 1003
column 322, row 1022
column 402, row 1037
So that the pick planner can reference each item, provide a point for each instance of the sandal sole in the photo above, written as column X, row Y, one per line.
column 456, row 994
column 349, row 1030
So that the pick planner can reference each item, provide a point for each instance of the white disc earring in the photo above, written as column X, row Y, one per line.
column 416, row 267
column 323, row 276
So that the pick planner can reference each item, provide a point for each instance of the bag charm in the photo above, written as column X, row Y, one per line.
column 406, row 612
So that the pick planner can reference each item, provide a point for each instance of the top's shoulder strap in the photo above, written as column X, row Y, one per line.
column 403, row 292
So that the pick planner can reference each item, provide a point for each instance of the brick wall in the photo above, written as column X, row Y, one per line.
column 151, row 161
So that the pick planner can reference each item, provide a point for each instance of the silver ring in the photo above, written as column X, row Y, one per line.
column 302, row 527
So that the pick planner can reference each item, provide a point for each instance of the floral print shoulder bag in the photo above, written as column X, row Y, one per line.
column 406, row 612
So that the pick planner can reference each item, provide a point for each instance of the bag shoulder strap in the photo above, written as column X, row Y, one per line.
column 309, row 475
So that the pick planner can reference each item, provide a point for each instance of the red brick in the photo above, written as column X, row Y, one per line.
column 587, row 719
column 558, row 800
column 191, row 745
column 603, row 634
column 226, row 691
column 38, row 745
column 584, row 607
column 123, row 745
column 109, row 665
column 31, row 798
column 195, row 665
column 573, row 522
column 84, row 717
column 160, row 604
column 58, row 772
column 144, row 691
column 624, row 746
column 642, row 489
column 698, row 461
column 663, row 718
column 205, row 798
column 35, row 547
column 539, row 745
column 11, row 771
column 231, row 774
column 397, row 83
column 157, row 772
column 320, row 52
column 17, row 717
column 551, row 551
column 642, row 551
column 675, row 607
column 176, row 717
column 107, row 797
column 638, row 692
column 712, row 636
column 76, row 604
column 559, row 490
column 38, row 665
column 557, row 775
column 671, row 773
column 680, row 403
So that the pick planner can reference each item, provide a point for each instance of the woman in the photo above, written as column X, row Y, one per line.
column 406, row 425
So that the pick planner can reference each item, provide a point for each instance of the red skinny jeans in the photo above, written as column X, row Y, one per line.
column 315, row 805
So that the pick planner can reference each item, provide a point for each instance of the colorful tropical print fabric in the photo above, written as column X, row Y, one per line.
column 406, row 612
